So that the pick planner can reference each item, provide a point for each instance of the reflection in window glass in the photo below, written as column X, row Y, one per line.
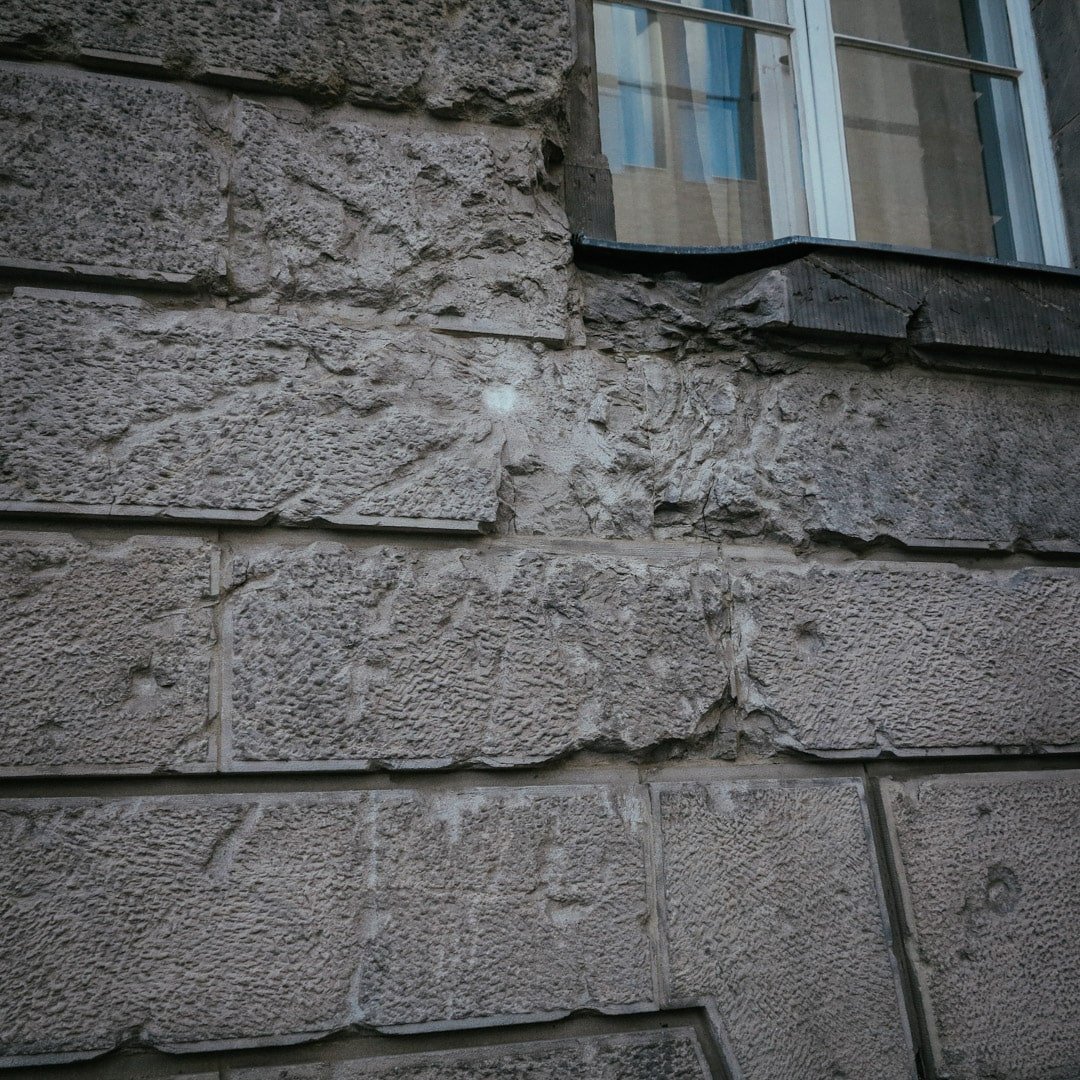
column 936, row 156
column 974, row 29
column 683, row 109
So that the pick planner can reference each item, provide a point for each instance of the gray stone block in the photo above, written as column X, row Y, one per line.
column 119, row 404
column 505, row 658
column 773, row 915
column 989, row 868
column 217, row 921
column 839, row 449
column 106, row 653
column 110, row 173
column 397, row 215
column 909, row 658
column 505, row 59
column 672, row 1054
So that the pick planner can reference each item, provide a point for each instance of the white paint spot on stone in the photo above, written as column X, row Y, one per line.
column 500, row 399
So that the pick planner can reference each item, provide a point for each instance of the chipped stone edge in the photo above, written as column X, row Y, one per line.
column 71, row 271
column 224, row 516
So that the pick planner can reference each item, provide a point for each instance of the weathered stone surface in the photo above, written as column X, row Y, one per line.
column 871, row 301
column 105, row 402
column 390, row 215
column 909, row 658
column 230, row 919
column 919, row 457
column 672, row 1054
column 773, row 910
column 501, row 58
column 990, row 874
column 395, row 656
column 106, row 653
column 112, row 173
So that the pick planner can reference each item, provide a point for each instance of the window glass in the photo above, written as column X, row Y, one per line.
column 975, row 29
column 684, row 106
column 936, row 156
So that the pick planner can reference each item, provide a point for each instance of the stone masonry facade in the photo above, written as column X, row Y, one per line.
column 431, row 652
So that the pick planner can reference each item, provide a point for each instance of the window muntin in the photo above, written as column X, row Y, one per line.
column 685, row 104
column 931, row 134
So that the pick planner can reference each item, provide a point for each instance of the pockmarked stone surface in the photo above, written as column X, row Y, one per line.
column 406, row 658
column 106, row 652
column 672, row 1054
column 773, row 910
column 227, row 920
column 839, row 450
column 990, row 874
column 123, row 405
column 438, row 223
column 108, row 172
column 908, row 658
column 501, row 58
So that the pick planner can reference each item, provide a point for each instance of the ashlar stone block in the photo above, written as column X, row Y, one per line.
column 121, row 175
column 835, row 449
column 107, row 399
column 223, row 921
column 106, row 653
column 773, row 916
column 673, row 1054
column 989, row 869
column 504, row 59
column 420, row 659
column 440, row 224
column 908, row 658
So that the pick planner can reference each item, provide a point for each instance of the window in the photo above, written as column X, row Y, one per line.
column 914, row 123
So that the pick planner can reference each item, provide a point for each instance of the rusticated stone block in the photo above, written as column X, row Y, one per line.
column 909, row 658
column 437, row 223
column 231, row 920
column 106, row 653
column 923, row 458
column 772, row 910
column 672, row 1054
column 506, row 658
column 115, row 174
column 506, row 59
column 989, row 869
column 304, row 419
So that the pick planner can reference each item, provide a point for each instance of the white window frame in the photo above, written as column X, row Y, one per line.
column 813, row 43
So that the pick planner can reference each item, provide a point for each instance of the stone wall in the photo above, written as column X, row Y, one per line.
column 429, row 655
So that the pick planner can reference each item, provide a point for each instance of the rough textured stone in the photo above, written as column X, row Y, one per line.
column 299, row 418
column 501, row 58
column 990, row 874
column 504, row 658
column 909, row 658
column 187, row 921
column 773, row 911
column 673, row 1054
column 109, row 172
column 439, row 222
column 106, row 652
column 919, row 457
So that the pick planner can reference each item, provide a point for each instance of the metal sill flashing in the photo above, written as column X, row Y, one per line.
column 711, row 263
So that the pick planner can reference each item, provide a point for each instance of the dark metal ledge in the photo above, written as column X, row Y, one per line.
column 712, row 263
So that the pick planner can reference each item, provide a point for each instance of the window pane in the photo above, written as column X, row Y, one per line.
column 937, row 158
column 977, row 29
column 684, row 105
